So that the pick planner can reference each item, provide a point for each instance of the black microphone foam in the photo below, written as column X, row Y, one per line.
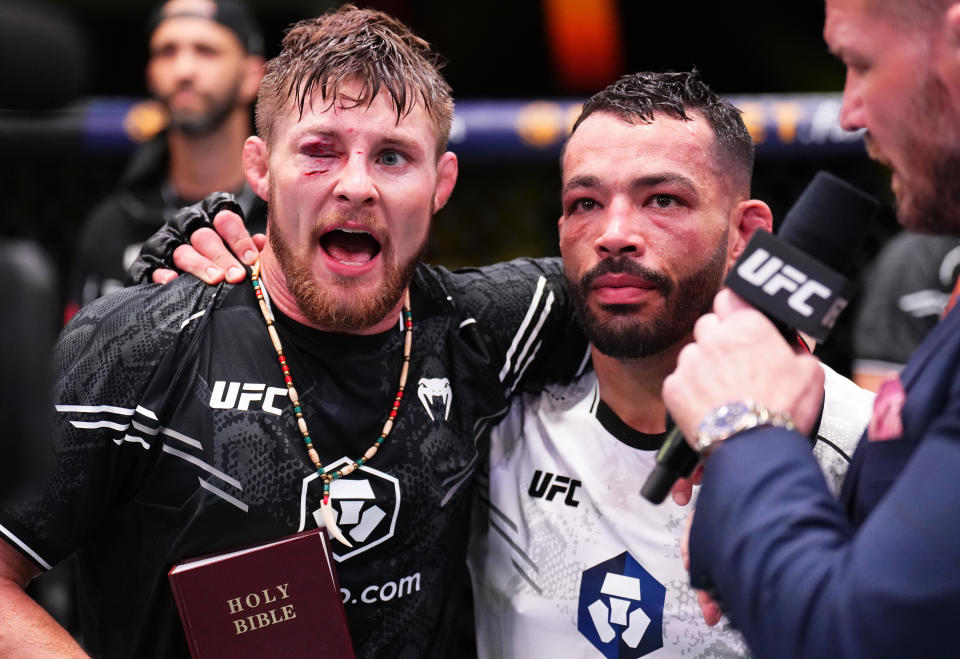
column 829, row 221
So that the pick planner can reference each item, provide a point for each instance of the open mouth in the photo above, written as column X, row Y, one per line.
column 350, row 246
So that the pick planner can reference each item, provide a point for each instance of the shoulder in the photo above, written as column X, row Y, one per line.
column 145, row 316
column 522, row 273
column 503, row 293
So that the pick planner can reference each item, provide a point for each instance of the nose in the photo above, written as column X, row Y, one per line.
column 851, row 110
column 184, row 64
column 619, row 234
column 355, row 185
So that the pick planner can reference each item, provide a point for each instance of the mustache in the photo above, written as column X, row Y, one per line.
column 874, row 151
column 364, row 218
column 629, row 266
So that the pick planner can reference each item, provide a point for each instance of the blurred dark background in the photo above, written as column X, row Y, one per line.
column 552, row 49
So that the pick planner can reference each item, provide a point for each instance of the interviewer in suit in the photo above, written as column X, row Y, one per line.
column 876, row 574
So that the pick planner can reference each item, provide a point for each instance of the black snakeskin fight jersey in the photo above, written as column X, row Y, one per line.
column 175, row 438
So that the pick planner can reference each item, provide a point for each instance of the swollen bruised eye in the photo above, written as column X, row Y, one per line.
column 319, row 150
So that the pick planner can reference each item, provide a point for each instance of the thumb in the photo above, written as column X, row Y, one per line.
column 728, row 302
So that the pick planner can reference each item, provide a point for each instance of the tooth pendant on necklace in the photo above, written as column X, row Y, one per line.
column 326, row 510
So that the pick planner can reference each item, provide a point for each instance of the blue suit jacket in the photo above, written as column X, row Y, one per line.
column 875, row 575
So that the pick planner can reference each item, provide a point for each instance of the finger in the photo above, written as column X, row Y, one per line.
column 187, row 259
column 209, row 244
column 163, row 276
column 682, row 491
column 705, row 326
column 709, row 608
column 234, row 233
column 260, row 240
column 685, row 542
column 727, row 302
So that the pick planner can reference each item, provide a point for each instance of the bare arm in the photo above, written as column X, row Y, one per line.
column 26, row 630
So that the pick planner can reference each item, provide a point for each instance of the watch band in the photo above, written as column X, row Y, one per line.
column 731, row 418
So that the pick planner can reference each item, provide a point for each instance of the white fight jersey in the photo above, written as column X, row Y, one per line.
column 569, row 560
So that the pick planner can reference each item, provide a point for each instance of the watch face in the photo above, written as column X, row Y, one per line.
column 721, row 422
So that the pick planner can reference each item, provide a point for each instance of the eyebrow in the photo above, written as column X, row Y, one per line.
column 649, row 181
column 401, row 142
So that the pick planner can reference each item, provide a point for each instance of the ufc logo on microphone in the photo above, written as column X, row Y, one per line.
column 540, row 486
column 772, row 275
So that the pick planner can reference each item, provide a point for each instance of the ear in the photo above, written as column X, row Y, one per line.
column 253, row 67
column 447, row 170
column 256, row 160
column 746, row 218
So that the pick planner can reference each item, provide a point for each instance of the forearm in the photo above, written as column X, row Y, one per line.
column 26, row 630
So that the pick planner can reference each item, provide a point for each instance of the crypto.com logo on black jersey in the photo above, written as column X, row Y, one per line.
column 365, row 504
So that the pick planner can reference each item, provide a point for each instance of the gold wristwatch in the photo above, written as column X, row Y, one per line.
column 730, row 418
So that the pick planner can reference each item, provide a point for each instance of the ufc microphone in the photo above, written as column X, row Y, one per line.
column 793, row 280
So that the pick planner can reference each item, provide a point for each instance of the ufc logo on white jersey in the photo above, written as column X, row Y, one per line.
column 241, row 395
column 772, row 275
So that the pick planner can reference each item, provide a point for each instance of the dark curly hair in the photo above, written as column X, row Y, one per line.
column 641, row 96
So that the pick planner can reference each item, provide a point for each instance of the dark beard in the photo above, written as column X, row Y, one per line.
column 618, row 334
column 198, row 125
column 322, row 308
column 935, row 209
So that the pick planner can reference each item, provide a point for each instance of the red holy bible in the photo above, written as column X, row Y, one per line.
column 278, row 599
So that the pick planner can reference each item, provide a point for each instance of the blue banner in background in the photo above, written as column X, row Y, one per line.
column 782, row 125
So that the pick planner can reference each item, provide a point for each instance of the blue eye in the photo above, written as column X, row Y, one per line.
column 393, row 158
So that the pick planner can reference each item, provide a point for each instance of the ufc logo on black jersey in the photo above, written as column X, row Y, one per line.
column 541, row 485
column 240, row 395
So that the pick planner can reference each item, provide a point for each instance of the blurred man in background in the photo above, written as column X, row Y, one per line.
column 204, row 67
column 905, row 292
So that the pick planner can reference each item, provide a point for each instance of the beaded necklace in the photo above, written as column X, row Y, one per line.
column 325, row 508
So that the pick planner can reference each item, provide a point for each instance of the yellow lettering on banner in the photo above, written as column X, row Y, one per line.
column 788, row 115
column 755, row 118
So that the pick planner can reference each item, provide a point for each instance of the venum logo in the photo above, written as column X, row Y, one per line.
column 620, row 610
column 772, row 275
column 365, row 507
column 540, row 487
column 241, row 395
column 429, row 389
